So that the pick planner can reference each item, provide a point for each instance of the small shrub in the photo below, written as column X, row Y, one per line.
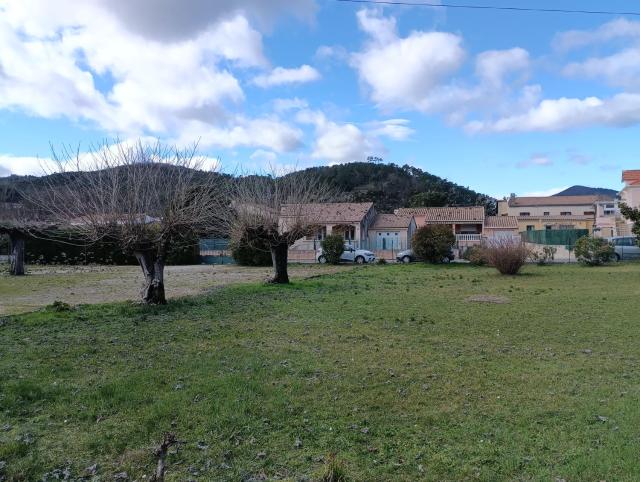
column 593, row 251
column 59, row 306
column 475, row 255
column 246, row 255
column 432, row 243
column 381, row 261
column 334, row 470
column 332, row 248
column 544, row 257
column 506, row 256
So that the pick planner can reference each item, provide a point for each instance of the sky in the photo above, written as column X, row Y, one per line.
column 502, row 102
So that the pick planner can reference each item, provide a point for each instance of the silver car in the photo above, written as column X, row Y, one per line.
column 626, row 247
column 350, row 255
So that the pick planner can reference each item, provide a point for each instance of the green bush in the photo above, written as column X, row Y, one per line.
column 475, row 255
column 593, row 251
column 332, row 248
column 432, row 243
column 246, row 255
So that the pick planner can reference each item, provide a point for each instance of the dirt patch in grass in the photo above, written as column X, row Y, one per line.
column 99, row 284
column 499, row 300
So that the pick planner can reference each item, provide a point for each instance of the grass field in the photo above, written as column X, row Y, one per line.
column 394, row 369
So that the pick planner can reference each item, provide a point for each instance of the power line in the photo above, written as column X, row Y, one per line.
column 490, row 7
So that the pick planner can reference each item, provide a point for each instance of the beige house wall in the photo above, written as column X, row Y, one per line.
column 537, row 211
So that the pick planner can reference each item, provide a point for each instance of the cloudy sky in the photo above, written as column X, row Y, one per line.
column 499, row 101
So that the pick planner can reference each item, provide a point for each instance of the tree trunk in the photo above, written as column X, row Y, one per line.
column 279, row 257
column 153, row 269
column 17, row 254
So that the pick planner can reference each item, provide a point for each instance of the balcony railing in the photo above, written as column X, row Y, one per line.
column 468, row 237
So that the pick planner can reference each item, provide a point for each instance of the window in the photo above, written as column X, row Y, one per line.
column 548, row 227
column 565, row 213
column 566, row 226
column 530, row 227
column 546, row 213
column 609, row 212
column 625, row 242
column 525, row 214
column 589, row 213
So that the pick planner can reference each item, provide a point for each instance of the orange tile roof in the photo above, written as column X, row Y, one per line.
column 470, row 214
column 557, row 200
column 388, row 221
column 329, row 212
column 509, row 222
column 631, row 177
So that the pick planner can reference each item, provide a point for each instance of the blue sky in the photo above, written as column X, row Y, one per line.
column 499, row 101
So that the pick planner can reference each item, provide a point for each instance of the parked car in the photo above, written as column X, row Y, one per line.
column 407, row 256
column 350, row 255
column 626, row 247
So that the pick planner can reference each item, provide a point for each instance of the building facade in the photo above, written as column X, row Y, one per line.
column 553, row 212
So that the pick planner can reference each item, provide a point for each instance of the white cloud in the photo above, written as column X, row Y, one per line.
column 336, row 142
column 546, row 192
column 493, row 65
column 23, row 165
column 284, row 105
column 396, row 129
column 280, row 76
column 536, row 160
column 567, row 113
column 153, row 80
column 621, row 69
column 402, row 72
column 327, row 52
column 613, row 30
column 262, row 155
column 266, row 132
column 415, row 73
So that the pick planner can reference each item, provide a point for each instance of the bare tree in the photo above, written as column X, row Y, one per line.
column 16, row 222
column 275, row 210
column 14, row 226
column 146, row 199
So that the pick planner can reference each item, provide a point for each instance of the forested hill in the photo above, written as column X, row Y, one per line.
column 391, row 186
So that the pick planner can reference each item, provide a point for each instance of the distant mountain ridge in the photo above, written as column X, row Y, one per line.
column 587, row 191
column 389, row 186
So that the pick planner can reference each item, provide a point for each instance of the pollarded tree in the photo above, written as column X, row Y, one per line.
column 147, row 199
column 15, row 226
column 275, row 211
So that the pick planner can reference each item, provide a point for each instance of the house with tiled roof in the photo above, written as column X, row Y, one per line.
column 467, row 222
column 351, row 220
column 552, row 212
column 500, row 226
column 391, row 231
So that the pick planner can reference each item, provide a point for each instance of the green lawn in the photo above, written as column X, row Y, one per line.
column 389, row 367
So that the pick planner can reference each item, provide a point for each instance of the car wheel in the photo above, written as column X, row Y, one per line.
column 617, row 257
column 359, row 260
column 406, row 259
column 322, row 259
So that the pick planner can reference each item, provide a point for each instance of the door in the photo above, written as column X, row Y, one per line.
column 390, row 240
column 347, row 254
column 631, row 248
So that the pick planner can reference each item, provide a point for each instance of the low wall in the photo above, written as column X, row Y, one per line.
column 563, row 255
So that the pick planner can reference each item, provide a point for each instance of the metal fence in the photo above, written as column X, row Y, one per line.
column 215, row 251
column 557, row 237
